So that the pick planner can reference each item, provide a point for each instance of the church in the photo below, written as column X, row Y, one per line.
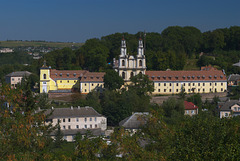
column 206, row 80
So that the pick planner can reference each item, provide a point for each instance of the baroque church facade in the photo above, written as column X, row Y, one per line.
column 206, row 80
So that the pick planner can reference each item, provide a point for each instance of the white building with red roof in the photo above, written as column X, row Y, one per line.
column 190, row 108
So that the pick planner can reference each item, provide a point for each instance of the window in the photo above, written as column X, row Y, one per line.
column 188, row 90
column 85, row 126
column 85, row 90
column 203, row 84
column 59, row 120
column 170, row 84
column 158, row 90
column 92, row 84
column 210, row 89
column 77, row 120
column 215, row 89
column 221, row 84
column 221, row 89
column 90, row 119
column 235, row 108
column 67, row 74
column 177, row 84
column 60, row 81
column 65, row 137
column 85, row 84
column 140, row 63
column 198, row 90
column 238, row 108
column 164, row 84
column 210, row 84
column 85, row 119
column 63, row 120
column 75, row 81
column 198, row 84
column 170, row 90
column 69, row 120
column 77, row 127
column 183, row 84
column 226, row 114
column 176, row 90
column 165, row 90
column 12, row 79
column 44, row 82
column 95, row 119
column 95, row 125
column 44, row 76
column 69, row 126
column 193, row 84
column 131, row 74
column 18, row 78
column 159, row 84
column 64, row 127
column 187, row 112
column 90, row 126
column 215, row 84
column 123, row 75
column 193, row 111
column 189, row 84
column 203, row 90
column 123, row 62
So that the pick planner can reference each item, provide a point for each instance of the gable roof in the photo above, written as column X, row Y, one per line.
column 201, row 75
column 135, row 121
column 234, row 77
column 19, row 74
column 72, row 112
column 228, row 104
column 189, row 106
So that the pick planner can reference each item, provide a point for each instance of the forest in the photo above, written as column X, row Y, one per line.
column 175, row 48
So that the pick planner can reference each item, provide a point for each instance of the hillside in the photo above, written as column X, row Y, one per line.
column 13, row 44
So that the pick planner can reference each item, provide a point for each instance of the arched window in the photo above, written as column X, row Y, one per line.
column 140, row 63
column 123, row 62
column 123, row 75
column 44, row 76
column 131, row 74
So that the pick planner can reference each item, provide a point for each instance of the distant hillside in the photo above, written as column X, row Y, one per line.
column 13, row 44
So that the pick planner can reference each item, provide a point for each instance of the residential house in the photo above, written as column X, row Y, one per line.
column 233, row 80
column 229, row 108
column 190, row 108
column 77, row 119
column 15, row 78
column 135, row 121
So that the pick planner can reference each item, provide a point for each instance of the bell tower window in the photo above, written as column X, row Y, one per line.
column 140, row 63
column 123, row 75
column 44, row 76
column 123, row 62
column 131, row 74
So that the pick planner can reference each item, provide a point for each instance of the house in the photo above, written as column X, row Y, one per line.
column 190, row 108
column 206, row 80
column 6, row 50
column 233, row 80
column 15, row 78
column 135, row 121
column 76, row 119
column 229, row 108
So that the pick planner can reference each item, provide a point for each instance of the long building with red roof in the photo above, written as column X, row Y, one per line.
column 206, row 80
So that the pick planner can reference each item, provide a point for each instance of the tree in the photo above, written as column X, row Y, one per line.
column 58, row 136
column 112, row 80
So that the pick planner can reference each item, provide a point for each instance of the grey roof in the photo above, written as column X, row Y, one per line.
column 60, row 91
column 234, row 77
column 95, row 132
column 228, row 104
column 19, row 74
column 237, row 64
column 135, row 121
column 72, row 112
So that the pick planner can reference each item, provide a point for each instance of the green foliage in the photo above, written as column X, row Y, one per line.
column 112, row 80
column 173, row 107
column 196, row 99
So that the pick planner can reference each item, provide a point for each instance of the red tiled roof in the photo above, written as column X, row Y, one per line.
column 59, row 74
column 201, row 75
column 189, row 106
column 93, row 77
column 85, row 76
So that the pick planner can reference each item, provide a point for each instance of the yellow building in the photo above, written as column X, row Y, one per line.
column 206, row 80
column 52, row 80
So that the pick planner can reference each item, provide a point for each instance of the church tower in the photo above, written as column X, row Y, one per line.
column 129, row 65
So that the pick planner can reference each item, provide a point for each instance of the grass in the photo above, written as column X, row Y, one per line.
column 191, row 64
column 13, row 44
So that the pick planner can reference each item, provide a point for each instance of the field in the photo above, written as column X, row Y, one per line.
column 13, row 44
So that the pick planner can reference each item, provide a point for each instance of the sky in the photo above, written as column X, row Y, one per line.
column 79, row 20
